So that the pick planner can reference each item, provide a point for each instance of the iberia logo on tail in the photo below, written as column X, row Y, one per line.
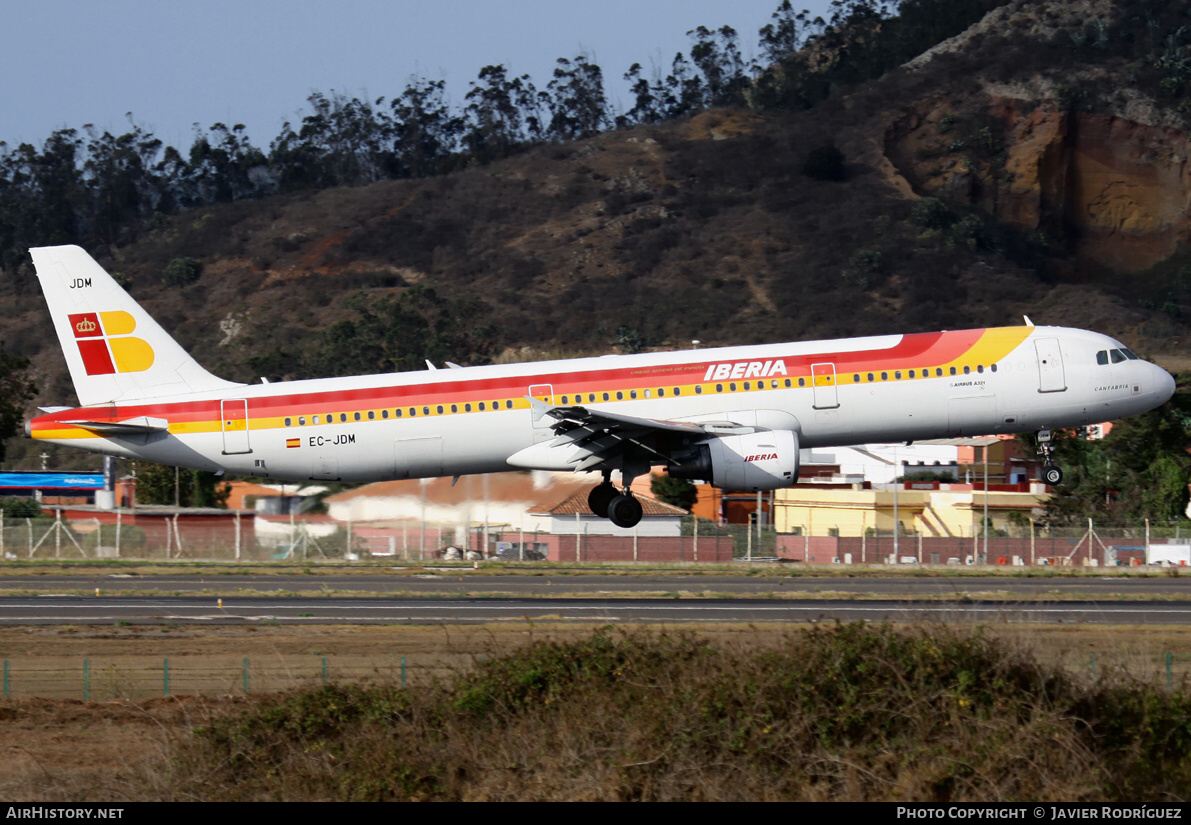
column 106, row 345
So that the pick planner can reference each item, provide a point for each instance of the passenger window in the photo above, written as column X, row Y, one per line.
column 301, row 421
column 898, row 375
column 632, row 393
column 967, row 370
column 454, row 408
column 343, row 417
column 856, row 379
column 605, row 396
column 314, row 420
column 993, row 368
column 413, row 411
column 678, row 390
column 732, row 387
column 661, row 392
column 619, row 396
column 980, row 368
column 911, row 373
column 719, row 387
column 789, row 383
column 802, row 382
column 938, row 371
column 746, row 384
column 509, row 404
column 953, row 370
column 287, row 422
column 372, row 415
column 870, row 377
column 384, row 413
column 467, row 407
column 397, row 412
column 591, row 396
column 482, row 407
column 884, row 376
column 356, row 416
column 425, row 411
column 698, row 389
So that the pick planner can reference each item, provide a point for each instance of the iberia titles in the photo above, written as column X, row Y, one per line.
column 745, row 369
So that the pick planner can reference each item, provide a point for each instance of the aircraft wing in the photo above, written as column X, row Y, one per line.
column 604, row 438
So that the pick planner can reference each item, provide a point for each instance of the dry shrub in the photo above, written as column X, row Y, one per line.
column 853, row 712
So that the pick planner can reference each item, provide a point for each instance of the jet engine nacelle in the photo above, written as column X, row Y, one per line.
column 764, row 460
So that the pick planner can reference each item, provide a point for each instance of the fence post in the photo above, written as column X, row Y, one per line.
column 118, row 533
column 237, row 518
column 58, row 533
column 696, row 543
column 86, row 680
column 29, row 524
column 165, row 677
column 1147, row 558
column 403, row 671
column 325, row 668
column 245, row 674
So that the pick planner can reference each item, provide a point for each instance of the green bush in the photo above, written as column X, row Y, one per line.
column 180, row 272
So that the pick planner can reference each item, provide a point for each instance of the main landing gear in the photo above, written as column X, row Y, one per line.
column 620, row 507
column 1051, row 474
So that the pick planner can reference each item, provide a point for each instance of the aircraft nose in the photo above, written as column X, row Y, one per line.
column 1164, row 385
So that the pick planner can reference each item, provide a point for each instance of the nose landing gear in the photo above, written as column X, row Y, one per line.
column 1051, row 474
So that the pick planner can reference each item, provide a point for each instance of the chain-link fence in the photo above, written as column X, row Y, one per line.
column 132, row 677
column 235, row 537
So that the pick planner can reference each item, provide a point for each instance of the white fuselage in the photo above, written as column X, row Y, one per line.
column 474, row 420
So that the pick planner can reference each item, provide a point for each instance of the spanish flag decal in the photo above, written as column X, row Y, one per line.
column 106, row 345
column 293, row 442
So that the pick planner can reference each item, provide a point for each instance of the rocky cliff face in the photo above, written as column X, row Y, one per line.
column 1118, row 190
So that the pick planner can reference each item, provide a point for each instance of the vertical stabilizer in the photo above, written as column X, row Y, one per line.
column 115, row 351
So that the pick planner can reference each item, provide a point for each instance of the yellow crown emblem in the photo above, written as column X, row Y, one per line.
column 85, row 325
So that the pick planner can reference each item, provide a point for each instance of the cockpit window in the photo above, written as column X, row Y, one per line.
column 1129, row 354
column 1102, row 357
column 1117, row 356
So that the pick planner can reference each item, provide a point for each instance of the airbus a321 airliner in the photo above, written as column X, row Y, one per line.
column 734, row 416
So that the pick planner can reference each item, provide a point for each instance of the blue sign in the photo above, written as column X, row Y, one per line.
column 51, row 481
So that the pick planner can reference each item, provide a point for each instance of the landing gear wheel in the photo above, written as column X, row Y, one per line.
column 600, row 497
column 1052, row 475
column 624, row 511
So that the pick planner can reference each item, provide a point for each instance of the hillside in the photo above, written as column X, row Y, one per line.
column 1018, row 168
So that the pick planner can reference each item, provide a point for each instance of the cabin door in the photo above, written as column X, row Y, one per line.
column 544, row 393
column 1050, row 365
column 823, row 381
column 234, row 414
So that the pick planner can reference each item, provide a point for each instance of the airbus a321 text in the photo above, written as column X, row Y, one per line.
column 734, row 416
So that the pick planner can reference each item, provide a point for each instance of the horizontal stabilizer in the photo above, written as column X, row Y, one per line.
column 133, row 426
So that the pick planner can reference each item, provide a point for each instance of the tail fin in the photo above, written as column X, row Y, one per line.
column 114, row 349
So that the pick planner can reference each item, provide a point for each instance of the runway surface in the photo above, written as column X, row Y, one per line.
column 458, row 595
column 102, row 610
column 462, row 582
